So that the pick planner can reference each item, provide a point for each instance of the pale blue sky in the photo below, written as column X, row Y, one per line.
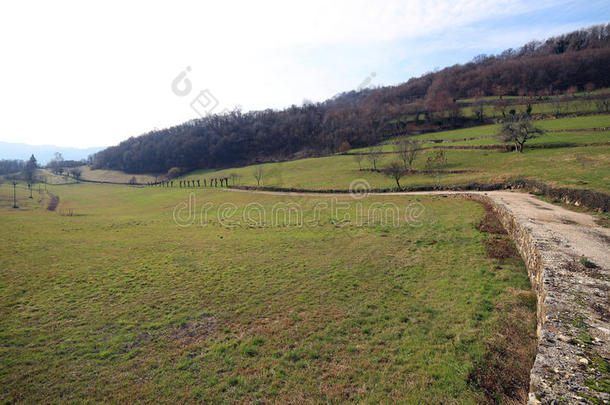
column 81, row 74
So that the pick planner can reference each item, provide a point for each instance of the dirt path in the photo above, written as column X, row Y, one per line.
column 573, row 301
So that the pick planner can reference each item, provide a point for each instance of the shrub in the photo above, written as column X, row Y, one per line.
column 174, row 172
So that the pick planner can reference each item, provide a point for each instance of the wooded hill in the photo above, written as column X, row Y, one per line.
column 538, row 71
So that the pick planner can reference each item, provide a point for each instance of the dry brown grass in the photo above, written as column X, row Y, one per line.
column 503, row 372
column 490, row 222
column 500, row 248
column 53, row 202
column 113, row 176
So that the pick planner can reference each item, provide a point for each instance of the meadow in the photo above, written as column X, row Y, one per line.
column 579, row 160
column 109, row 299
column 559, row 157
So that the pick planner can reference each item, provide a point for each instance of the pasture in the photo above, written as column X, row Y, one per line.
column 117, row 302
column 579, row 159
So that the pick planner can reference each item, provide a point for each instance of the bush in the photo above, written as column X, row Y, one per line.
column 587, row 263
column 174, row 172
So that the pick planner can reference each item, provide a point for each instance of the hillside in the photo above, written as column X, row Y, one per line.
column 573, row 152
column 558, row 71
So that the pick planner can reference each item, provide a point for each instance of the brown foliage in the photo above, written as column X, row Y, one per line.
column 500, row 248
column 53, row 202
column 490, row 222
column 503, row 373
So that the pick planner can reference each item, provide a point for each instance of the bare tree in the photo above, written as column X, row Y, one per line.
column 454, row 111
column 501, row 106
column 479, row 110
column 558, row 105
column 234, row 177
column 435, row 164
column 258, row 174
column 396, row 171
column 519, row 131
column 373, row 154
column 76, row 173
column 15, row 194
column 407, row 152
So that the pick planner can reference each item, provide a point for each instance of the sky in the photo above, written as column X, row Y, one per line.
column 82, row 74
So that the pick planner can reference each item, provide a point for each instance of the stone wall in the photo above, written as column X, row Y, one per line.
column 572, row 341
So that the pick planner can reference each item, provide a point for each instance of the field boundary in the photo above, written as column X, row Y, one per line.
column 591, row 199
column 564, row 345
column 474, row 138
column 493, row 146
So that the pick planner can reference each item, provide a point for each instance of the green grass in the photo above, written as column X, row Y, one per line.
column 119, row 304
column 576, row 167
column 488, row 132
column 548, row 138
column 586, row 166
column 483, row 130
column 593, row 121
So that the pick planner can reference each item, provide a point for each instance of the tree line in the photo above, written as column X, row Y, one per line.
column 10, row 166
column 577, row 60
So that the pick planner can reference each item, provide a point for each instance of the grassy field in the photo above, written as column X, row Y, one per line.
column 582, row 165
column 592, row 121
column 113, row 176
column 115, row 302
column 548, row 107
column 577, row 167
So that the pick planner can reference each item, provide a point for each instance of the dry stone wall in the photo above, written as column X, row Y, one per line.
column 573, row 310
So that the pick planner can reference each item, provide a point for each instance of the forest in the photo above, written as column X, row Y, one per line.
column 8, row 166
column 569, row 63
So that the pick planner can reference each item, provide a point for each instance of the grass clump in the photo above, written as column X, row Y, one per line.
column 588, row 263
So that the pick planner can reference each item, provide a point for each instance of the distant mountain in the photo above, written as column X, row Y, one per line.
column 43, row 153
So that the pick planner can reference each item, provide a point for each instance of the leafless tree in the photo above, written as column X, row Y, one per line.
column 435, row 164
column 373, row 154
column 76, row 173
column 258, row 175
column 407, row 152
column 234, row 177
column 519, row 131
column 479, row 110
column 501, row 107
column 396, row 171
column 559, row 105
